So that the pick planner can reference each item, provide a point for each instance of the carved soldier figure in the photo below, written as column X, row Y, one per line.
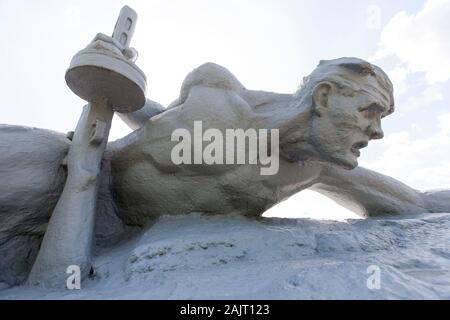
column 322, row 127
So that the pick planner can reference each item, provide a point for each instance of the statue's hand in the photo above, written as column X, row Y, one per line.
column 108, row 39
column 129, row 53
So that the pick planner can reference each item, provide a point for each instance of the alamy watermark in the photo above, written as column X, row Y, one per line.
column 374, row 280
column 373, row 17
column 74, row 280
column 234, row 146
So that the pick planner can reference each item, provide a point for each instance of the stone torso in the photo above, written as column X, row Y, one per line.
column 146, row 183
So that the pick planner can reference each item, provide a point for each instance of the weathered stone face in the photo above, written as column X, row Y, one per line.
column 346, row 124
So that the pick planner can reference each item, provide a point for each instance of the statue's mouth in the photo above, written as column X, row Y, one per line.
column 358, row 145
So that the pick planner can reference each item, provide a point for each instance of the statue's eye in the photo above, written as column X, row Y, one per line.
column 372, row 110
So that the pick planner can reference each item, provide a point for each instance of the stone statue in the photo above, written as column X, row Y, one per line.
column 322, row 127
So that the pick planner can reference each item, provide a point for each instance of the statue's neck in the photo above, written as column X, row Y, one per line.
column 293, row 119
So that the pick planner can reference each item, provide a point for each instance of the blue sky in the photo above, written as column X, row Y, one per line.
column 268, row 45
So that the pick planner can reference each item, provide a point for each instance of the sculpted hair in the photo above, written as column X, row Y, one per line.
column 344, row 73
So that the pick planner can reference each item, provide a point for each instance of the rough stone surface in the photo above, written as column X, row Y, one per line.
column 231, row 257
column 32, row 178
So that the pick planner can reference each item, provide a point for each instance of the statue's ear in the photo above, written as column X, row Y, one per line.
column 320, row 96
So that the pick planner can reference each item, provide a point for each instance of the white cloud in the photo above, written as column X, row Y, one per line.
column 420, row 40
column 424, row 99
column 398, row 76
column 444, row 124
column 420, row 43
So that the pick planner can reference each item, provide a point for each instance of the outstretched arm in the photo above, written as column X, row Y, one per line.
column 369, row 193
column 139, row 118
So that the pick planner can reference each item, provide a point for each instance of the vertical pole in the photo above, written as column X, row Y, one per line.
column 69, row 236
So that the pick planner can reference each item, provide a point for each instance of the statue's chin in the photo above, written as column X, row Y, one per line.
column 345, row 160
column 348, row 163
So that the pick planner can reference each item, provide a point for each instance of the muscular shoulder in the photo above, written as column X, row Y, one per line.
column 209, row 75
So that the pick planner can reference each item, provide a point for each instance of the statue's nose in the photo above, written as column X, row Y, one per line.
column 374, row 130
column 377, row 135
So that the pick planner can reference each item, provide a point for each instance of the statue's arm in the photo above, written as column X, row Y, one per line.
column 369, row 193
column 139, row 118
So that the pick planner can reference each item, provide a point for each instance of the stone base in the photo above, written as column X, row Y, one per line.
column 198, row 257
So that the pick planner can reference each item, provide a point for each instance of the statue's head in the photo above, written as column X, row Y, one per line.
column 347, row 98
